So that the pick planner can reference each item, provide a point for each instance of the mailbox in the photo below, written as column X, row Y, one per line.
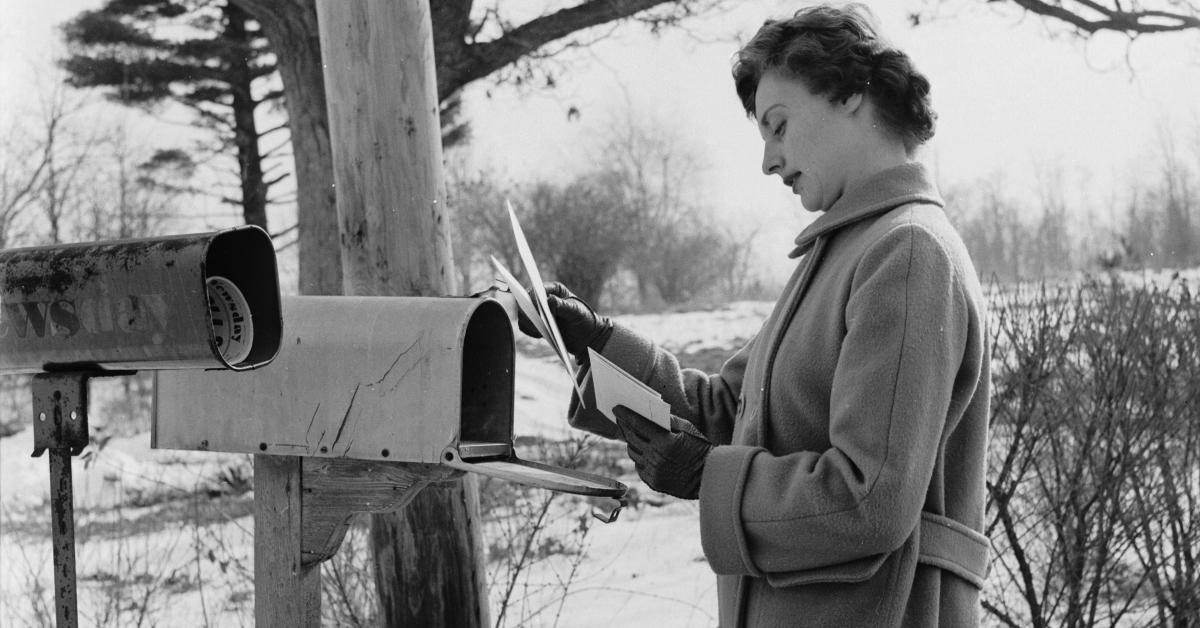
column 72, row 312
column 192, row 301
column 405, row 379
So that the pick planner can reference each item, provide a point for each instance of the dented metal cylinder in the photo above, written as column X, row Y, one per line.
column 208, row 300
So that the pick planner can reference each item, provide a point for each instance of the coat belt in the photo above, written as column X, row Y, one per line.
column 950, row 545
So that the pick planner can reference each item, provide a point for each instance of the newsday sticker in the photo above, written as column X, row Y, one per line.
column 229, row 313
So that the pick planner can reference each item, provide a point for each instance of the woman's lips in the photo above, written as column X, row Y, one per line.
column 793, row 181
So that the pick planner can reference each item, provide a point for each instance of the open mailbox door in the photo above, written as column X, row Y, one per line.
column 404, row 379
column 508, row 467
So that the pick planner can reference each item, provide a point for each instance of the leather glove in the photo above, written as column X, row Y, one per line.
column 579, row 325
column 670, row 462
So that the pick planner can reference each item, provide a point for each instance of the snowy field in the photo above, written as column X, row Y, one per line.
column 165, row 537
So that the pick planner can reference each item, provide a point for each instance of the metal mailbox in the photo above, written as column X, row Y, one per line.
column 406, row 379
column 72, row 312
column 206, row 300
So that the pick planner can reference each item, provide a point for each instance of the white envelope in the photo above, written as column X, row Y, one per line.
column 614, row 387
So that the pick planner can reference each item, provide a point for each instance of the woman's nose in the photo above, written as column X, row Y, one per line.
column 771, row 160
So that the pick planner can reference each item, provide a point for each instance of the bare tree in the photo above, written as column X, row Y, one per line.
column 480, row 226
column 473, row 42
column 470, row 43
column 1139, row 237
column 22, row 167
column 47, row 170
column 736, row 278
column 1088, row 17
column 1053, row 245
column 673, row 234
column 990, row 224
column 137, row 192
column 580, row 231
column 67, row 149
column 1176, row 193
column 1159, row 228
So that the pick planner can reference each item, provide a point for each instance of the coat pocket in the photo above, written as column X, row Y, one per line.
column 858, row 570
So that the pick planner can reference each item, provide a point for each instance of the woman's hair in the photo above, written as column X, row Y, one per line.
column 836, row 52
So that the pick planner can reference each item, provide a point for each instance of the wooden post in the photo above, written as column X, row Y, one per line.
column 302, row 509
column 387, row 152
column 287, row 592
column 383, row 124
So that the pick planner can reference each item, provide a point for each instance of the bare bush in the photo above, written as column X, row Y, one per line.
column 348, row 581
column 526, row 527
column 1093, row 469
column 580, row 231
column 480, row 226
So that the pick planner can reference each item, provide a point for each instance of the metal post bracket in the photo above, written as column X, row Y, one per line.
column 60, row 412
column 60, row 425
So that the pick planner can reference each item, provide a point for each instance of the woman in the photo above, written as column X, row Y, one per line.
column 839, row 457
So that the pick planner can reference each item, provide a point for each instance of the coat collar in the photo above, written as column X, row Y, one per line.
column 878, row 193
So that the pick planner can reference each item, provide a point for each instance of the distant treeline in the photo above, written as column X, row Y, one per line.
column 1089, row 223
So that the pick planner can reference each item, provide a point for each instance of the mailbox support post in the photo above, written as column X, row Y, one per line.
column 287, row 592
column 60, row 426
column 302, row 509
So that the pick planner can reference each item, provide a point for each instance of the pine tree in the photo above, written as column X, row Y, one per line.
column 206, row 55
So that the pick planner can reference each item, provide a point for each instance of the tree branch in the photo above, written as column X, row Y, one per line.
column 475, row 61
column 1000, row 615
column 281, row 177
column 1131, row 22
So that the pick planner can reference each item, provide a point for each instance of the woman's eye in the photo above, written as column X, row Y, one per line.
column 779, row 129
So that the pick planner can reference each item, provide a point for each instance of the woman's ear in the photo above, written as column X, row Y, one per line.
column 852, row 103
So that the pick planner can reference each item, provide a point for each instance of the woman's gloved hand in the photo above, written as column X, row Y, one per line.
column 671, row 462
column 578, row 323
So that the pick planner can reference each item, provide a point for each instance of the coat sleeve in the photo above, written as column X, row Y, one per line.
column 834, row 512
column 708, row 401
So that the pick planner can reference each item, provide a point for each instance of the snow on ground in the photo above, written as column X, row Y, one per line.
column 543, row 391
column 694, row 331
column 645, row 569
column 158, row 529
column 125, row 466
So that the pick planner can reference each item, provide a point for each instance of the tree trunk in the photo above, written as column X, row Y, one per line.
column 245, row 130
column 383, row 116
column 291, row 27
column 423, row 559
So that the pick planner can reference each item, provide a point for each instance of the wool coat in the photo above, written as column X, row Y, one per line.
column 847, row 484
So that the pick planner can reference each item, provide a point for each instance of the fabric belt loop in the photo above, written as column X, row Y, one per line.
column 950, row 545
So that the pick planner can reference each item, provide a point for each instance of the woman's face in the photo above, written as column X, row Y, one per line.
column 807, row 139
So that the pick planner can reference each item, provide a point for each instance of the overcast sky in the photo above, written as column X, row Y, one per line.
column 1011, row 99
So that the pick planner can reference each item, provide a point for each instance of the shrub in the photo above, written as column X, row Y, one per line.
column 1094, row 466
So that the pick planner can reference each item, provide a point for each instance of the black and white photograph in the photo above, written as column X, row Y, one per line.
column 598, row 313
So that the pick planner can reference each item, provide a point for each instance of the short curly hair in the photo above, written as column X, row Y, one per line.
column 837, row 52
